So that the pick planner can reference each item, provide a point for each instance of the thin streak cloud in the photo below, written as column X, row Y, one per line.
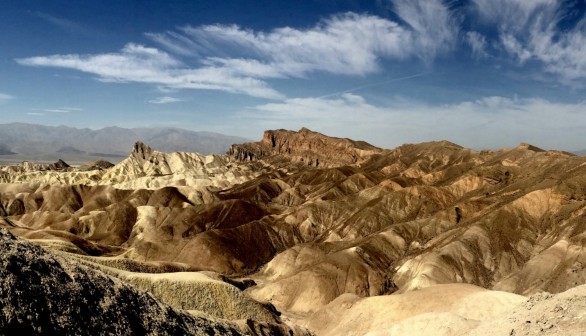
column 362, row 87
column 63, row 110
column 66, row 25
column 5, row 97
column 164, row 100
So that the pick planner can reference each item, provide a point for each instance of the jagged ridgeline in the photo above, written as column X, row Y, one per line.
column 301, row 229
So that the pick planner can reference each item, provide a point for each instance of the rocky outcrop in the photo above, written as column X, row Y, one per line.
column 141, row 151
column 306, row 147
column 59, row 165
column 96, row 165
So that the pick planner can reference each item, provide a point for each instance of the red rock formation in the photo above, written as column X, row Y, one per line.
column 307, row 147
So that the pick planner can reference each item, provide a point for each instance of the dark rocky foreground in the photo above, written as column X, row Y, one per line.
column 43, row 294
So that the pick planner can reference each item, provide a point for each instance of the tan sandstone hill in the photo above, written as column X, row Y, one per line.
column 145, row 168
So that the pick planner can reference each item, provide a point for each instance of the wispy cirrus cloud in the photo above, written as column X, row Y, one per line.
column 175, row 42
column 477, row 43
column 345, row 44
column 165, row 100
column 234, row 59
column 433, row 25
column 530, row 30
column 513, row 15
column 491, row 121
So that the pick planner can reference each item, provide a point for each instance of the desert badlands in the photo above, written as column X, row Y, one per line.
column 297, row 234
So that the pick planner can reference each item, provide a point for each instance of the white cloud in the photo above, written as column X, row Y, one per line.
column 56, row 111
column 137, row 63
column 488, row 122
column 164, row 100
column 528, row 31
column 134, row 63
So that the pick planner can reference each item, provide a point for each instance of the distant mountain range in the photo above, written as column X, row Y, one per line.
column 19, row 141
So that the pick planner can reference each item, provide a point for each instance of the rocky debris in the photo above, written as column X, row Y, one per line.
column 305, row 147
column 43, row 294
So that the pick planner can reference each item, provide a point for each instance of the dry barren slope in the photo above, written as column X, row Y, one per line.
column 49, row 293
column 454, row 309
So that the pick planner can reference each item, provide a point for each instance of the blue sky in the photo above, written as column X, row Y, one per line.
column 481, row 73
